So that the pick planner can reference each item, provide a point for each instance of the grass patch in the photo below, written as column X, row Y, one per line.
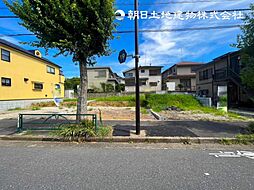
column 70, row 100
column 16, row 109
column 34, row 108
column 159, row 102
column 104, row 131
column 144, row 111
column 240, row 139
column 245, row 139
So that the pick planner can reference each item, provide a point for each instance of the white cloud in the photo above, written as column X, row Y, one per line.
column 164, row 47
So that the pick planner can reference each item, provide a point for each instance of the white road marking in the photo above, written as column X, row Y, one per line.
column 237, row 154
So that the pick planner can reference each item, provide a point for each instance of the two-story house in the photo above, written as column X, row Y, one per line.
column 223, row 71
column 149, row 79
column 101, row 75
column 26, row 77
column 180, row 77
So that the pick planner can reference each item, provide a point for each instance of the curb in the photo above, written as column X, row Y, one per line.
column 156, row 115
column 184, row 140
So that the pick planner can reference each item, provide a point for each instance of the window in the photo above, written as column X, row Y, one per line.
column 38, row 86
column 142, row 82
column 206, row 74
column 128, row 74
column 142, row 71
column 5, row 55
column 101, row 74
column 6, row 81
column 156, row 72
column 130, row 82
column 153, row 83
column 50, row 70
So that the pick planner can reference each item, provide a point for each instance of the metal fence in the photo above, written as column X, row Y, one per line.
column 50, row 121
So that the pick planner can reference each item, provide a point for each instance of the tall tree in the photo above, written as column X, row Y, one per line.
column 80, row 28
column 245, row 41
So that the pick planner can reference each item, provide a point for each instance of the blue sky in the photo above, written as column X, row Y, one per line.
column 163, row 48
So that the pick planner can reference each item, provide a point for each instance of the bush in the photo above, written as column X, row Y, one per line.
column 251, row 128
column 75, row 131
column 104, row 131
column 110, row 88
column 120, row 87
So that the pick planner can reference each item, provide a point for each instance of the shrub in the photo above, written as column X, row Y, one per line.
column 110, row 88
column 104, row 131
column 75, row 131
column 251, row 128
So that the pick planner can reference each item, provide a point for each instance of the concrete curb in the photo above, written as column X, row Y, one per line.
column 156, row 115
column 184, row 140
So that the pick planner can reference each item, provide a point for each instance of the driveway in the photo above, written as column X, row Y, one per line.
column 180, row 128
column 159, row 128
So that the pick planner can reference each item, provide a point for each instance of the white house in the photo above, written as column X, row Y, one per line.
column 149, row 79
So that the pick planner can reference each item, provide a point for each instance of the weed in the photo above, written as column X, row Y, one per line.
column 144, row 111
column 15, row 109
column 104, row 131
column 35, row 108
column 251, row 128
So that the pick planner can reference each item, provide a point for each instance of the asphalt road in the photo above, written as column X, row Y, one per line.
column 30, row 165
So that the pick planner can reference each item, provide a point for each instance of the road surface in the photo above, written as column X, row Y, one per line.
column 31, row 165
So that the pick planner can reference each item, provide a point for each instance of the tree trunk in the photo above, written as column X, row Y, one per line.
column 82, row 91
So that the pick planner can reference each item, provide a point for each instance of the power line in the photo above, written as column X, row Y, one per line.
column 148, row 30
column 175, row 2
column 165, row 3
column 209, row 11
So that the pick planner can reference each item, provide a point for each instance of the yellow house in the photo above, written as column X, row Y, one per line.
column 26, row 77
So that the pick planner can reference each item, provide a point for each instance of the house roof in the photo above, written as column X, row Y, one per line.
column 218, row 58
column 188, row 63
column 144, row 67
column 95, row 68
column 27, row 52
column 183, row 64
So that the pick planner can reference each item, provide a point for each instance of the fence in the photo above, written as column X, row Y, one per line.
column 50, row 121
column 205, row 101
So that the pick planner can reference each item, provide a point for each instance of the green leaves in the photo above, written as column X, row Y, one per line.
column 81, row 28
column 245, row 41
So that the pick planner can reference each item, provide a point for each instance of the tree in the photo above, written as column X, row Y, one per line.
column 80, row 28
column 180, row 86
column 72, row 83
column 245, row 42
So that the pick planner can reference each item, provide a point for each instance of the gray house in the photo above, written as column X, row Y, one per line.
column 99, row 75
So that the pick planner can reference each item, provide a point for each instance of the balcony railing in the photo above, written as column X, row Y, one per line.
column 186, row 89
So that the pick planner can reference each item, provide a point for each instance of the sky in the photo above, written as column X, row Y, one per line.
column 157, row 48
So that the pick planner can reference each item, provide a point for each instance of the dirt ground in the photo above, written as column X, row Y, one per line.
column 108, row 113
column 189, row 115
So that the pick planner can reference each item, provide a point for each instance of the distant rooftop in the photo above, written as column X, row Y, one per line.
column 143, row 67
column 188, row 63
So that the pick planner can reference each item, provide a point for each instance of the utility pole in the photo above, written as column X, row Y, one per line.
column 137, row 71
